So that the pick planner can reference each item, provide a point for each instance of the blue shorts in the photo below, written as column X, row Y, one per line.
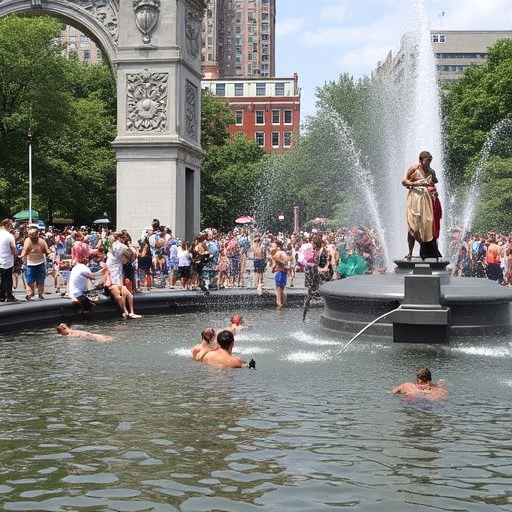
column 280, row 279
column 259, row 265
column 35, row 274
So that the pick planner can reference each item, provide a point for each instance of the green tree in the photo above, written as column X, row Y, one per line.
column 33, row 96
column 317, row 174
column 216, row 116
column 474, row 104
column 478, row 122
column 494, row 211
column 231, row 168
column 235, row 172
column 70, row 108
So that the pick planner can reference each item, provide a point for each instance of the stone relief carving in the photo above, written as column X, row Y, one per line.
column 191, row 110
column 106, row 11
column 147, row 102
column 193, row 32
column 146, row 17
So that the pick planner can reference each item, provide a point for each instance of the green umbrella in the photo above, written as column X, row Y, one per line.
column 25, row 215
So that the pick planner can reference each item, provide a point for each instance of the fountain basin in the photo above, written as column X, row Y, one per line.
column 476, row 306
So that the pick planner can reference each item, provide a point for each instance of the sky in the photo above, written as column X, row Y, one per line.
column 323, row 39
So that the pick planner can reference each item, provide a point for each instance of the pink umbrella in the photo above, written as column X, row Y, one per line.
column 245, row 219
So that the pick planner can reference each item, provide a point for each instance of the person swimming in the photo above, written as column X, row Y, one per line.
column 423, row 388
column 208, row 343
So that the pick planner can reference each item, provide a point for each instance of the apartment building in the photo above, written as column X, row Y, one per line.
column 455, row 50
column 266, row 110
column 239, row 39
column 80, row 45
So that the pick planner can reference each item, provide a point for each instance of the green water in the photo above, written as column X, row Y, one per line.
column 135, row 425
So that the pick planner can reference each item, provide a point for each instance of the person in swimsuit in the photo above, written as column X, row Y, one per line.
column 237, row 324
column 280, row 270
column 422, row 388
column 34, row 253
column 208, row 343
column 65, row 330
column 222, row 357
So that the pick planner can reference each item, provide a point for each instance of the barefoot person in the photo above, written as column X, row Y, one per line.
column 119, row 293
column 34, row 252
column 280, row 269
column 423, row 208
column 222, row 357
column 65, row 330
column 423, row 388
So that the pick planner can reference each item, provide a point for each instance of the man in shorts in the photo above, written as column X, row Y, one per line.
column 79, row 277
column 34, row 252
column 280, row 269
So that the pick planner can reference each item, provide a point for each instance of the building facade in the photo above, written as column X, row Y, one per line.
column 455, row 50
column 265, row 110
column 80, row 45
column 239, row 39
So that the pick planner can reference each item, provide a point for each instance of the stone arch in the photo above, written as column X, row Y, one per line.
column 98, row 23
column 156, row 58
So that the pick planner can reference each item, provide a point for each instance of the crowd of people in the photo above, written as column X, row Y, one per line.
column 121, row 265
column 83, row 260
column 485, row 256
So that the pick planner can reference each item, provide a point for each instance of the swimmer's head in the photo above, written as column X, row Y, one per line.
column 63, row 329
column 225, row 339
column 208, row 334
column 424, row 375
column 236, row 319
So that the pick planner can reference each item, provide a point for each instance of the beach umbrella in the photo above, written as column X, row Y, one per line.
column 245, row 219
column 25, row 215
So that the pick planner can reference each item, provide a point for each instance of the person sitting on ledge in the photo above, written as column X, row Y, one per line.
column 207, row 344
column 119, row 293
column 222, row 357
column 65, row 330
column 423, row 388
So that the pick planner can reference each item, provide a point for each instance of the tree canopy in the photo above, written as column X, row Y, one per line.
column 69, row 107
column 231, row 168
column 478, row 123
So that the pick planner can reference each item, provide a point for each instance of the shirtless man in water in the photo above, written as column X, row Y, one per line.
column 222, row 357
column 65, row 330
column 422, row 388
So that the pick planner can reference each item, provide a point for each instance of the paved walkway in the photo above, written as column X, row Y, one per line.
column 54, row 308
column 268, row 285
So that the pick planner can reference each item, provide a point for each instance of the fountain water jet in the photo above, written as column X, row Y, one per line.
column 364, row 182
column 410, row 116
column 474, row 189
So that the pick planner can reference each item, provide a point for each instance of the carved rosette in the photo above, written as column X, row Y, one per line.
column 147, row 102
column 146, row 17
column 106, row 11
column 191, row 109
